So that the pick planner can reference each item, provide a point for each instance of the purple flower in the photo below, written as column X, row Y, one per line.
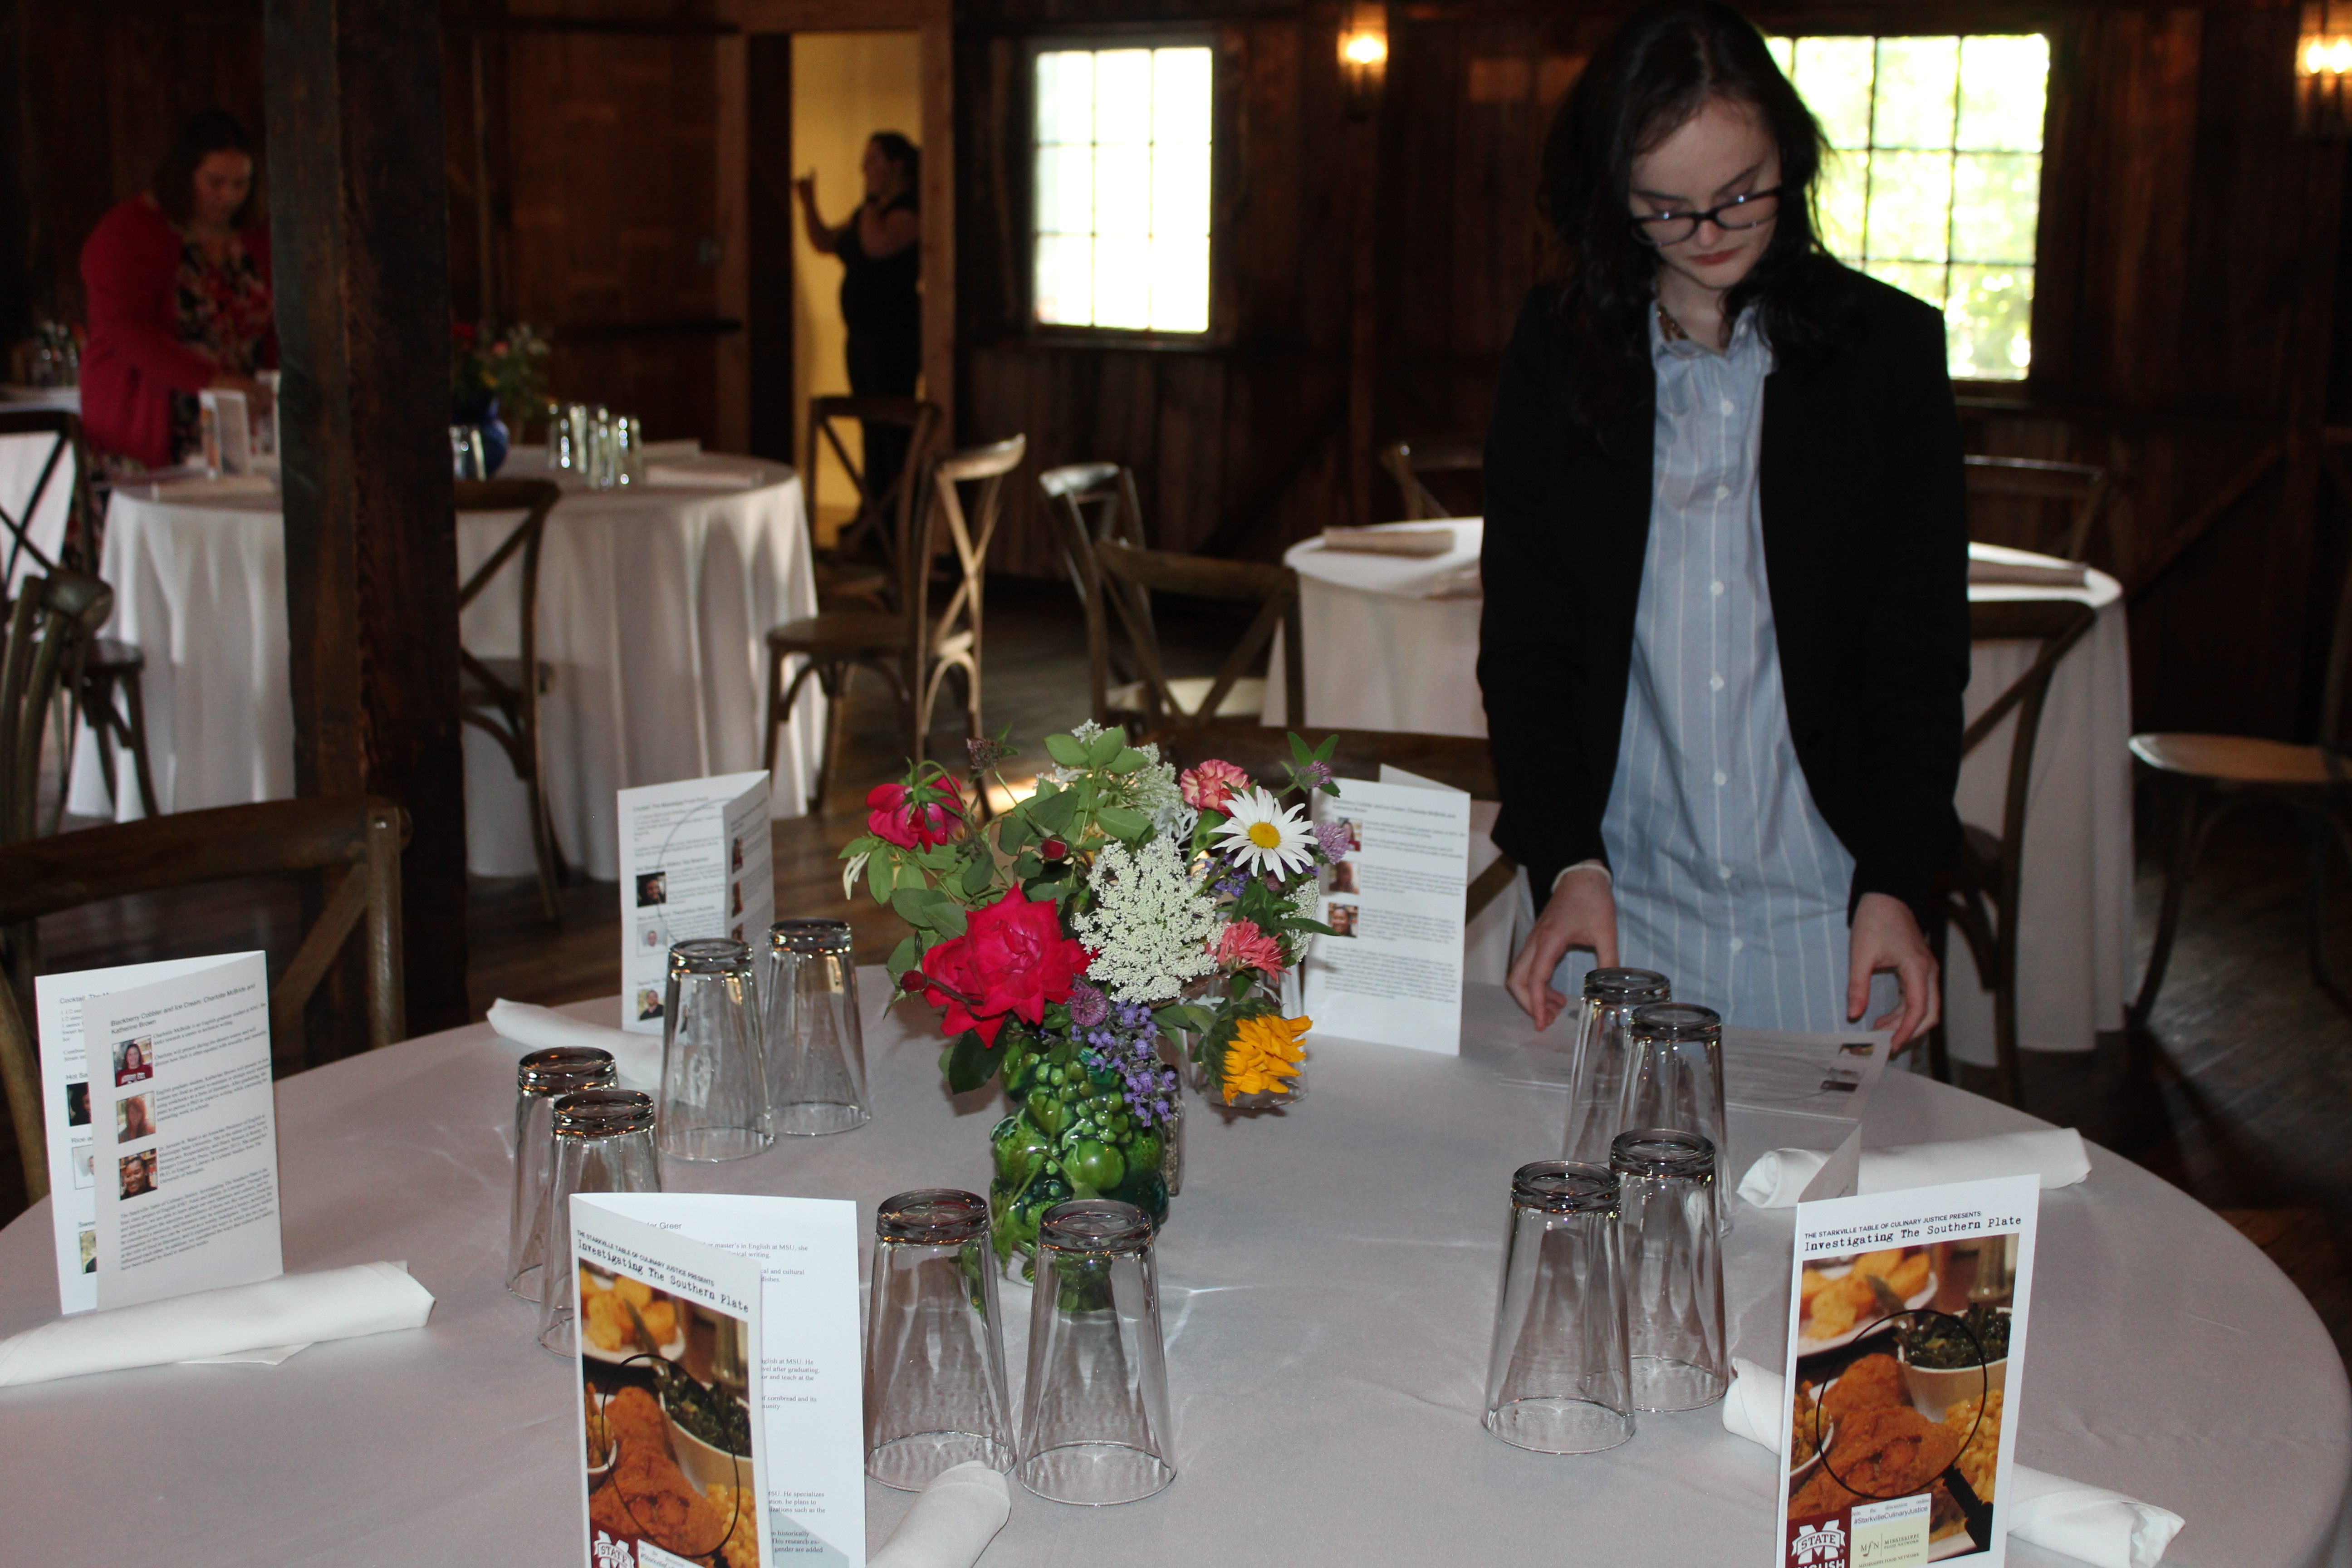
column 1089, row 1007
column 1333, row 837
column 1318, row 774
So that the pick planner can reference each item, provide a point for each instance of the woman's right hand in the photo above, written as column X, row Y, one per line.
column 256, row 396
column 1583, row 913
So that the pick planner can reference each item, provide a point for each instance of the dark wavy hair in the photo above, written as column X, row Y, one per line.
column 907, row 156
column 1660, row 68
column 212, row 130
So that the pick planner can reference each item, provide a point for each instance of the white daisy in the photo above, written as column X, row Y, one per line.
column 1262, row 834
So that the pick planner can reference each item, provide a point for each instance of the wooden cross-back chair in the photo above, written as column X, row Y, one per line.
column 2083, row 488
column 1407, row 461
column 1088, row 504
column 863, row 564
column 360, row 837
column 1463, row 761
column 105, row 684
column 1980, row 895
column 500, row 697
column 1128, row 577
column 50, row 628
column 917, row 646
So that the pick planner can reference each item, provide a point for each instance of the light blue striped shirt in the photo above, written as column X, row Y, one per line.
column 1728, row 880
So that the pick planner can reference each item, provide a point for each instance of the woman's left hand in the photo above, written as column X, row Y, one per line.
column 1887, row 936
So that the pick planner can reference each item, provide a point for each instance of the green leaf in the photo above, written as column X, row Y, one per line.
column 1323, row 752
column 1299, row 751
column 948, row 920
column 1120, row 822
column 918, row 906
column 1065, row 750
column 1026, row 865
column 1055, row 813
column 1105, row 747
column 967, row 1063
column 1184, row 1015
column 907, row 955
column 977, row 877
column 881, row 877
column 1126, row 761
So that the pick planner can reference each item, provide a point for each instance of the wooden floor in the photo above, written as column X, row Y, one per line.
column 2238, row 1092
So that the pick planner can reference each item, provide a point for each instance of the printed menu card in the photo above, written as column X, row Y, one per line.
column 1907, row 1338
column 695, row 860
column 721, row 1393
column 1391, row 970
column 162, row 1129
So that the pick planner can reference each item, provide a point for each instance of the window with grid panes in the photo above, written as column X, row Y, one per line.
column 1933, row 181
column 1121, row 199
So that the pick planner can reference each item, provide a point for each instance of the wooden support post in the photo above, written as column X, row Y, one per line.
column 361, row 241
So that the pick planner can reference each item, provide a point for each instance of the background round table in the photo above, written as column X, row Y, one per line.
column 1391, row 643
column 653, row 607
column 1328, row 1283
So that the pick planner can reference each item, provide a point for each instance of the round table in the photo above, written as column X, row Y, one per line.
column 21, row 457
column 654, row 606
column 1328, row 1282
column 1391, row 643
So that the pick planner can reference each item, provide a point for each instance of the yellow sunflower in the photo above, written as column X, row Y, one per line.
column 1264, row 1058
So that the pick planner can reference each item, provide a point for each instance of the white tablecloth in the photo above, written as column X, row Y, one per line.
column 654, row 605
column 1381, row 654
column 21, row 457
column 1328, row 1284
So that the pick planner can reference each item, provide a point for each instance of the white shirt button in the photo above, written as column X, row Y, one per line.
column 1727, row 407
column 1724, row 872
column 1721, row 491
column 1721, row 778
column 1736, row 944
column 1716, row 588
column 1715, row 683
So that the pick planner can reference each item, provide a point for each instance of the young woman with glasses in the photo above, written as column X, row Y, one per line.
column 1726, row 628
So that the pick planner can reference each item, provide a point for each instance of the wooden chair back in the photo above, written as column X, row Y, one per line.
column 880, row 526
column 2082, row 488
column 1407, row 461
column 950, row 637
column 49, row 626
column 1129, row 576
column 1086, row 504
column 359, row 837
column 534, row 498
column 1463, row 761
column 64, row 466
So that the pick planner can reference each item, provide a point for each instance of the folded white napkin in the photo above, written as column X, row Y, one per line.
column 1423, row 543
column 670, row 451
column 2055, row 1154
column 2105, row 1528
column 703, row 474
column 956, row 1515
column 638, row 1056
column 235, row 1322
column 2030, row 574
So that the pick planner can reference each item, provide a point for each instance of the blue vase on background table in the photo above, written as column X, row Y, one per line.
column 481, row 411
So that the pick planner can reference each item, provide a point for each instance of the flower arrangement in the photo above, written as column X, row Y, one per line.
column 1117, row 906
column 509, row 368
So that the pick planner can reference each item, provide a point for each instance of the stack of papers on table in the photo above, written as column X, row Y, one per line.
column 1997, row 564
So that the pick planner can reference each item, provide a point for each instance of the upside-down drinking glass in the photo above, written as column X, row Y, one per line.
column 934, row 1345
column 542, row 1079
column 1558, row 1379
column 603, row 1143
column 1674, row 1078
column 816, row 1043
column 714, row 1083
column 1596, row 1078
column 1094, row 1425
column 1673, row 1267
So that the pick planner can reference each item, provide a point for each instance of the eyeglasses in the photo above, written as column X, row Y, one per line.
column 1672, row 228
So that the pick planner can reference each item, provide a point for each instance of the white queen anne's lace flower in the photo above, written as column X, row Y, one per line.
column 1151, row 926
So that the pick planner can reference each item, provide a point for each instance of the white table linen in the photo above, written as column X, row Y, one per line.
column 1393, row 644
column 1327, row 1285
column 21, row 457
column 654, row 605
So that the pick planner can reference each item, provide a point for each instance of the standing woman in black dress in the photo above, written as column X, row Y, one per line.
column 880, row 246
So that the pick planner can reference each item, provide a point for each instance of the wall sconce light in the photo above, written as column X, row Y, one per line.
column 1364, row 53
column 2323, row 72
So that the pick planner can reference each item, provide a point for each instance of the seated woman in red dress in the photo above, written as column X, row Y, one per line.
column 178, row 292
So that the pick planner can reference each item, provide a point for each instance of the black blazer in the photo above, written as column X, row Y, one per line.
column 1866, row 550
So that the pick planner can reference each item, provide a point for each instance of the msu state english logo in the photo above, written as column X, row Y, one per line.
column 1818, row 1546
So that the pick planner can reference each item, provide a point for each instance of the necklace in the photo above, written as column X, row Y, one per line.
column 1670, row 329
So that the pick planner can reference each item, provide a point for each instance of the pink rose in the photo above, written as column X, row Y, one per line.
column 1212, row 784
column 913, row 826
column 1012, row 958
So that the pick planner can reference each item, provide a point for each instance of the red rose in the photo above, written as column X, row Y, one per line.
column 1054, row 849
column 1012, row 958
column 913, row 826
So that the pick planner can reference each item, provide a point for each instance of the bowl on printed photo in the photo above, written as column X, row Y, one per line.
column 1936, row 1389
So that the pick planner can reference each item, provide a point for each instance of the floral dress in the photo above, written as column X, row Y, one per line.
column 224, row 315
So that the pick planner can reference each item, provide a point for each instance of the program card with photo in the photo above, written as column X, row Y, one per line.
column 1906, row 1341
column 673, row 1460
column 805, row 1390
column 695, row 862
column 70, row 1090
column 1391, row 971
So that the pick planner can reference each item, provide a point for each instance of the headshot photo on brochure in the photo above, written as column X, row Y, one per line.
column 131, row 1062
column 1340, row 918
column 131, row 1119
column 137, row 1173
column 650, row 1002
column 653, row 888
column 77, row 1105
column 1343, row 878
